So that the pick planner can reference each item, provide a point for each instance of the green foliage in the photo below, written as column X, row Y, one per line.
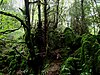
column 89, row 47
column 80, row 54
column 69, row 66
column 9, row 39
column 88, row 37
column 54, row 37
column 98, row 38
column 69, row 36
column 87, row 56
column 8, row 23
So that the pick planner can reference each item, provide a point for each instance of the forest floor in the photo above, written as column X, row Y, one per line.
column 54, row 68
column 55, row 64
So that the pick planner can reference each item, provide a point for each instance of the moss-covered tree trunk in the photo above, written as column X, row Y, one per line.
column 28, row 38
column 84, row 27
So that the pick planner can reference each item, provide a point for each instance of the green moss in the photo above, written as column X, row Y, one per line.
column 69, row 36
column 88, row 37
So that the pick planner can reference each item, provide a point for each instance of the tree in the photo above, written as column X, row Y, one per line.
column 41, row 35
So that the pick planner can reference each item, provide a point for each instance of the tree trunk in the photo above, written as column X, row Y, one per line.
column 45, row 25
column 57, row 14
column 84, row 28
column 28, row 38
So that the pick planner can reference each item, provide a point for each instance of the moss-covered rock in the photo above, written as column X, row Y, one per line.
column 69, row 37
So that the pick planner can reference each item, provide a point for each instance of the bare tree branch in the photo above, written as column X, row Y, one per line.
column 11, row 15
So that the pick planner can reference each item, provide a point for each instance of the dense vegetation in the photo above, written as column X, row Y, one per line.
column 50, row 37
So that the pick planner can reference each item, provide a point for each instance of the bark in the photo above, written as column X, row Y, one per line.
column 28, row 38
column 39, row 15
column 84, row 28
column 28, row 30
column 82, row 19
column 40, row 41
column 57, row 14
column 45, row 24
